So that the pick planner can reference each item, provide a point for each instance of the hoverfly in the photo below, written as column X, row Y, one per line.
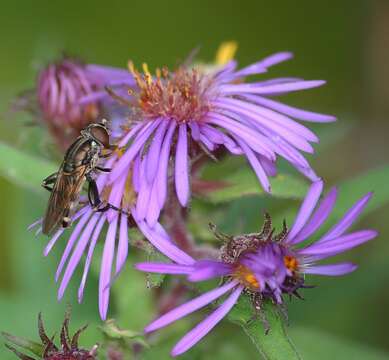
column 80, row 161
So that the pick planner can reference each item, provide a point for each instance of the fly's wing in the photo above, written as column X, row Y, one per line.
column 63, row 199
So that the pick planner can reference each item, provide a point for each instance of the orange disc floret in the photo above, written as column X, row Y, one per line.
column 291, row 263
column 246, row 277
column 181, row 95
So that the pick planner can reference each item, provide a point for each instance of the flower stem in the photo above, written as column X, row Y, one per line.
column 276, row 344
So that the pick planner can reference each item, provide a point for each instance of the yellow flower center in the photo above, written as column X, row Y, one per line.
column 181, row 95
column 291, row 263
column 246, row 277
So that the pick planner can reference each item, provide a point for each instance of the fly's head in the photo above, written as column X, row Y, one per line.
column 98, row 133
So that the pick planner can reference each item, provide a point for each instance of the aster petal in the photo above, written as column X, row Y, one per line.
column 319, row 217
column 262, row 65
column 89, row 256
column 220, row 138
column 83, row 81
column 282, row 147
column 106, row 268
column 212, row 134
column 182, row 166
column 269, row 166
column 54, row 91
column 276, row 58
column 207, row 269
column 163, row 243
column 290, row 130
column 108, row 74
column 225, row 73
column 77, row 254
column 122, row 250
column 95, row 96
column 136, row 177
column 130, row 134
column 62, row 100
column 35, row 223
column 154, row 209
column 277, row 80
column 271, row 89
column 195, row 130
column 243, row 127
column 72, row 240
column 153, row 154
column 142, row 201
column 331, row 270
column 340, row 244
column 204, row 327
column 308, row 172
column 103, row 177
column 256, row 165
column 164, row 268
column 292, row 111
column 190, row 307
column 116, row 195
column 252, row 138
column 306, row 209
column 59, row 232
column 133, row 150
column 163, row 165
column 348, row 219
column 52, row 241
column 208, row 143
column 256, row 68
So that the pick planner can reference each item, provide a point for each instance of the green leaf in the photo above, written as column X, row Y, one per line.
column 32, row 346
column 112, row 331
column 375, row 180
column 133, row 300
column 151, row 255
column 276, row 344
column 318, row 345
column 241, row 181
column 23, row 169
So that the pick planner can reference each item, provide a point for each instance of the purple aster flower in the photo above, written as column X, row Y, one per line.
column 178, row 115
column 87, row 232
column 62, row 84
column 266, row 265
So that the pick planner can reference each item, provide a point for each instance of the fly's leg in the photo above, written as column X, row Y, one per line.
column 112, row 149
column 107, row 170
column 259, row 313
column 50, row 180
column 106, row 154
column 93, row 195
column 95, row 201
column 66, row 220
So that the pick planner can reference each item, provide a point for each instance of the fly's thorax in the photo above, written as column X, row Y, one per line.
column 83, row 152
column 94, row 154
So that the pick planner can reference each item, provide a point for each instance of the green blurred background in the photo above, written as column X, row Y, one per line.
column 342, row 41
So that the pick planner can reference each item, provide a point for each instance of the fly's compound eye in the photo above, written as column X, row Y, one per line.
column 100, row 134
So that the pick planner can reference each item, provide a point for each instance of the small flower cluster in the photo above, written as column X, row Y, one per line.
column 69, row 349
column 62, row 84
column 162, row 124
